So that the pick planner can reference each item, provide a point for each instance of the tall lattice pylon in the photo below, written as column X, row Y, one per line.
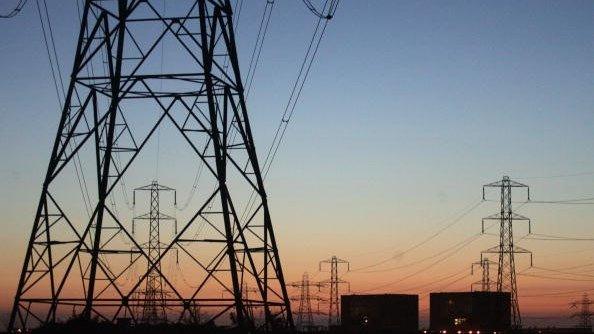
column 584, row 315
column 153, row 309
column 485, row 282
column 120, row 94
column 506, row 250
column 334, row 282
column 305, row 312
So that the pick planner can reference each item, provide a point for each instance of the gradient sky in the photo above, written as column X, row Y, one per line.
column 410, row 108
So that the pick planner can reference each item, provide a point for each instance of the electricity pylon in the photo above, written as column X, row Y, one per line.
column 153, row 309
column 305, row 313
column 485, row 282
column 334, row 282
column 506, row 250
column 117, row 99
column 584, row 315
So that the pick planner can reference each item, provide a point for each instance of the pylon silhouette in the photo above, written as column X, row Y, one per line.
column 107, row 121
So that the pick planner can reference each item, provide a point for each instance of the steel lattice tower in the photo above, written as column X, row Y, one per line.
column 305, row 315
column 153, row 308
column 334, row 282
column 305, row 321
column 584, row 315
column 506, row 250
column 485, row 282
column 78, row 264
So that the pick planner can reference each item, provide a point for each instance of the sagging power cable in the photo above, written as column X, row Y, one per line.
column 56, row 75
column 304, row 70
column 461, row 246
column 329, row 14
column 257, row 50
column 549, row 237
column 455, row 221
column 15, row 11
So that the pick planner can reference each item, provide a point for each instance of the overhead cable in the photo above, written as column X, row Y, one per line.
column 56, row 75
column 456, row 220
column 328, row 15
column 304, row 70
column 15, row 11
column 461, row 246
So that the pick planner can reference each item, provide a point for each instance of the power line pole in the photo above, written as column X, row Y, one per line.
column 305, row 313
column 107, row 120
column 485, row 282
column 154, row 305
column 584, row 315
column 334, row 282
column 506, row 250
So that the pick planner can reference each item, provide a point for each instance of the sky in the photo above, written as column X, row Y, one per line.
column 411, row 106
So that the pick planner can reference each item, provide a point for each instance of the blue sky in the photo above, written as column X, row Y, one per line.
column 411, row 106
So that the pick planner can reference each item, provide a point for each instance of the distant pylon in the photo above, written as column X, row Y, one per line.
column 334, row 282
column 485, row 282
column 246, row 291
column 506, row 269
column 305, row 321
column 584, row 315
column 153, row 308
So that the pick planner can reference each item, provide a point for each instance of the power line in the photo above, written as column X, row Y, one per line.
column 557, row 293
column 548, row 237
column 461, row 246
column 583, row 200
column 56, row 75
column 296, row 92
column 410, row 264
column 257, row 50
column 437, row 254
column 15, row 11
column 557, row 278
column 304, row 70
column 563, row 272
column 436, row 280
column 452, row 283
column 567, row 201
column 426, row 240
column 321, row 15
column 556, row 176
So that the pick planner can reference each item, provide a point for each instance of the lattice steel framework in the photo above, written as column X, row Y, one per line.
column 485, row 282
column 506, row 250
column 335, row 281
column 584, row 314
column 305, row 313
column 153, row 309
column 77, row 264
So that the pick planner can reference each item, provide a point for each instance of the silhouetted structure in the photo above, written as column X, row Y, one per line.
column 485, row 282
column 584, row 315
column 305, row 312
column 153, row 307
column 466, row 311
column 78, row 264
column 334, row 282
column 385, row 313
column 506, row 250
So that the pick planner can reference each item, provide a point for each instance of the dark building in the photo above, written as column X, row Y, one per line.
column 470, row 311
column 387, row 313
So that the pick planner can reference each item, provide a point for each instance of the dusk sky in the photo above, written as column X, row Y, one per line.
column 410, row 107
